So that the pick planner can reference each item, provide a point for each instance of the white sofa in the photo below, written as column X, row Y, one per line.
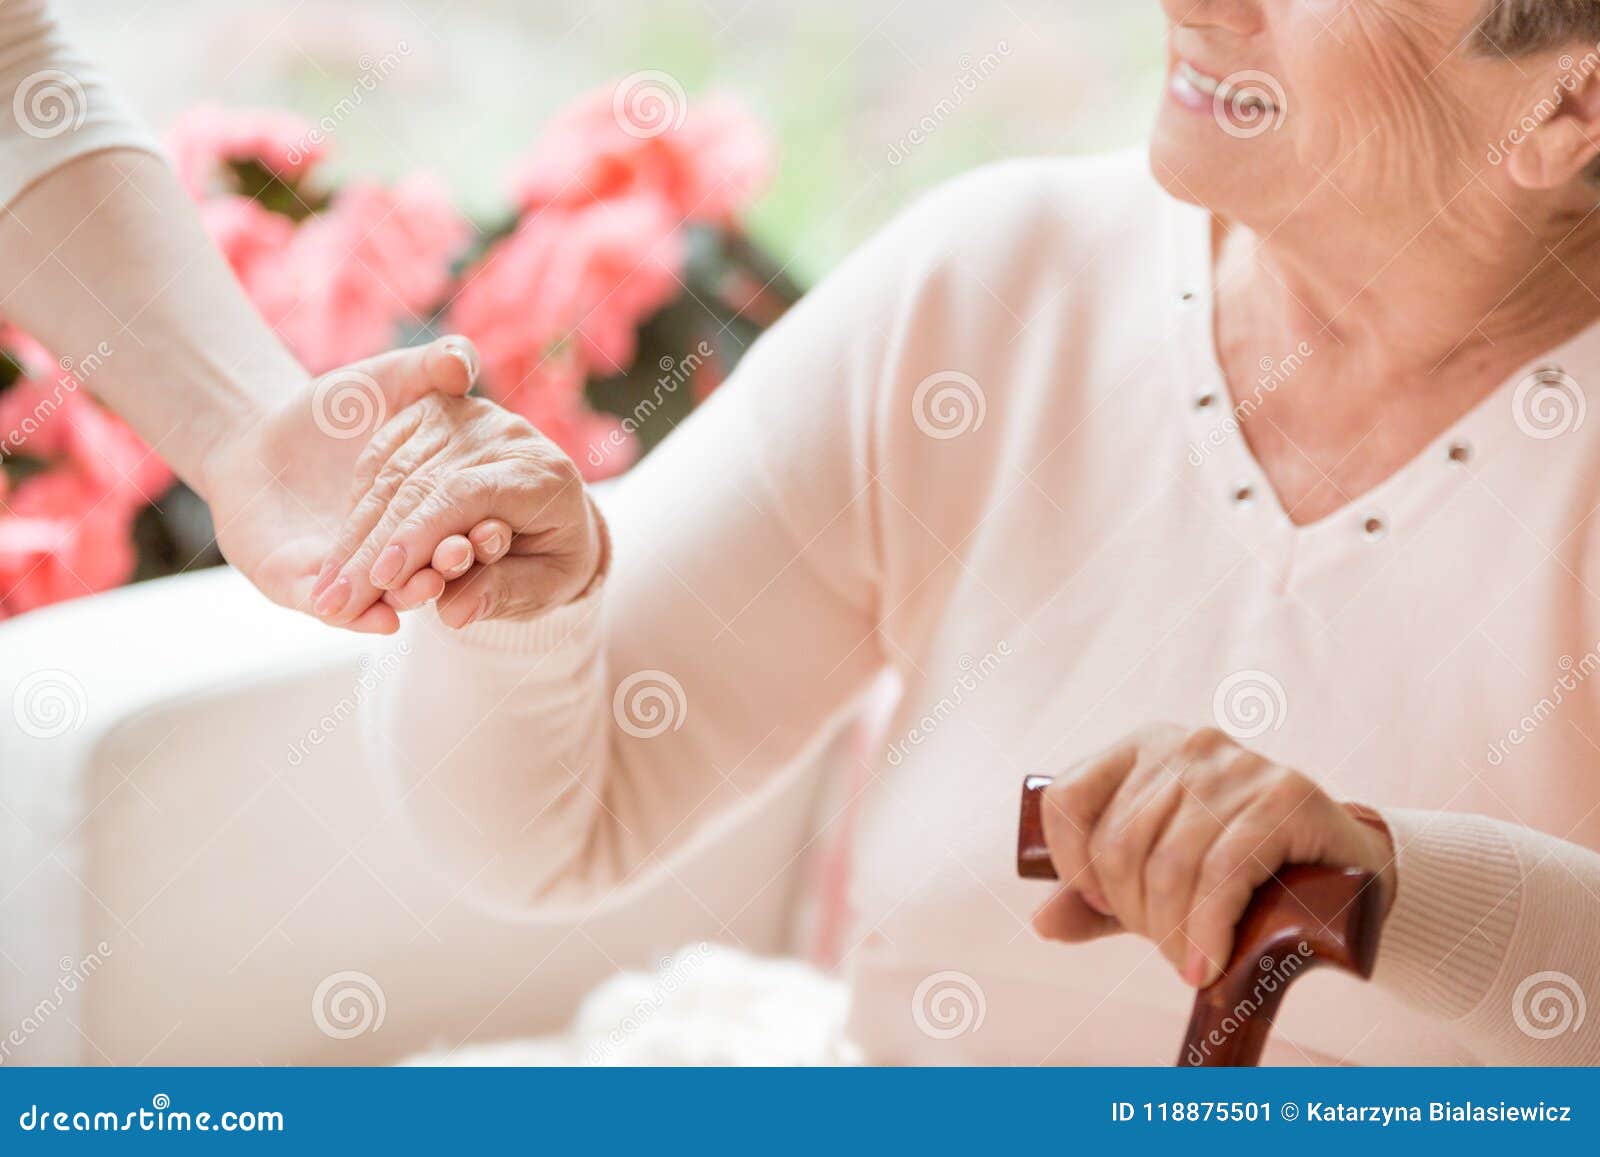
column 176, row 885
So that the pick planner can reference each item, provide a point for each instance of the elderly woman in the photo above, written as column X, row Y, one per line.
column 1275, row 433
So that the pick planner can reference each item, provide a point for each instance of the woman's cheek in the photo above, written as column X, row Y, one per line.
column 1378, row 104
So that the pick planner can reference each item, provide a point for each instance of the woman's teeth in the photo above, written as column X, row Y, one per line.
column 1249, row 99
column 1196, row 79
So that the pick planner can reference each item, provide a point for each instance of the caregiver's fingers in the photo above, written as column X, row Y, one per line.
column 377, row 619
column 420, row 589
column 345, row 590
column 448, row 365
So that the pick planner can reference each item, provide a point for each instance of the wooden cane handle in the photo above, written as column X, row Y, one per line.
column 1302, row 918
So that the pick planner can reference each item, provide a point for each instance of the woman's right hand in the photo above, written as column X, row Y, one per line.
column 477, row 494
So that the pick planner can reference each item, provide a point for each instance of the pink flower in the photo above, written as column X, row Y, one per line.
column 35, row 360
column 207, row 138
column 729, row 159
column 67, row 531
column 31, row 420
column 114, row 458
column 249, row 236
column 599, row 443
column 707, row 168
column 65, row 538
column 60, row 421
column 350, row 275
column 563, row 297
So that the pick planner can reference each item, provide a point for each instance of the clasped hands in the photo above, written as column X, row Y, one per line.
column 429, row 495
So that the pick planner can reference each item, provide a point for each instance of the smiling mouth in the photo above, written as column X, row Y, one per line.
column 1193, row 83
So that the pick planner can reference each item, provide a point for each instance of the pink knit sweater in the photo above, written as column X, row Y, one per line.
column 994, row 453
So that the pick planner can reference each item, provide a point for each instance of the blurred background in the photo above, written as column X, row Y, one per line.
column 612, row 200
column 842, row 84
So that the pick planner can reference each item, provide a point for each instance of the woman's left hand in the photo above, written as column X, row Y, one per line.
column 1168, row 833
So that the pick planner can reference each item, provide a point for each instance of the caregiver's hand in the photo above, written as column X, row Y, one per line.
column 280, row 487
column 466, row 489
column 1168, row 833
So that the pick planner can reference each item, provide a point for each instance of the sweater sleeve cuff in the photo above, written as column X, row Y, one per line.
column 543, row 632
column 1458, row 894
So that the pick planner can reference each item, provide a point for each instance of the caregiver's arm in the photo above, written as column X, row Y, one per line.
column 104, row 255
column 552, row 760
column 106, row 263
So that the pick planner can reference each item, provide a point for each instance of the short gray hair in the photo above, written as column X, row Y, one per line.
column 1522, row 27
column 1518, row 27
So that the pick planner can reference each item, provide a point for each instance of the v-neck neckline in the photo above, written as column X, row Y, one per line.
column 1229, row 469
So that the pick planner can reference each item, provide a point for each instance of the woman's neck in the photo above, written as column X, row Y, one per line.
column 1472, row 290
column 1407, row 329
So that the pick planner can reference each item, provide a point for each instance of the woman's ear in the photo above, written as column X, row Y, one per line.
column 1561, row 136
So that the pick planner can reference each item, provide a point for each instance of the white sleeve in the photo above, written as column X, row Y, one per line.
column 55, row 105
